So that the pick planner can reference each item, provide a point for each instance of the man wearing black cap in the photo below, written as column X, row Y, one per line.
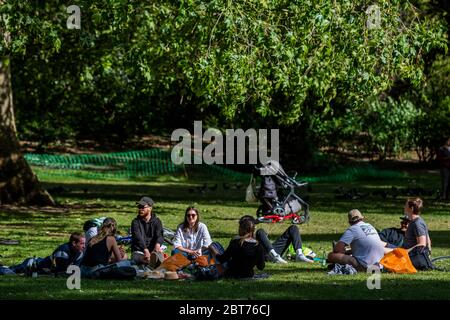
column 394, row 237
column 147, row 235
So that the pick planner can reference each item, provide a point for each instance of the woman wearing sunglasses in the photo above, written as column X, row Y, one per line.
column 192, row 238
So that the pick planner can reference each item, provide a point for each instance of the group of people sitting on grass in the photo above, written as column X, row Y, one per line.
column 359, row 247
column 362, row 246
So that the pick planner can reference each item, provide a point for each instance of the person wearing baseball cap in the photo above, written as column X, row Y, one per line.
column 147, row 235
column 366, row 246
column 145, row 201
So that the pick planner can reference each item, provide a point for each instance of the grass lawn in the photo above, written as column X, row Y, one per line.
column 40, row 231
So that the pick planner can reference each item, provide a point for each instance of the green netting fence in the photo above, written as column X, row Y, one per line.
column 118, row 165
column 128, row 164
column 155, row 162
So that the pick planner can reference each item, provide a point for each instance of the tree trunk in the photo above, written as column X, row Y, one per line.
column 18, row 183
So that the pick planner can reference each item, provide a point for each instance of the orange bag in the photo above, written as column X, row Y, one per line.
column 202, row 261
column 175, row 262
column 398, row 261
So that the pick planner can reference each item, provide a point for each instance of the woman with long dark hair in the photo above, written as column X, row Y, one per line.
column 102, row 249
column 243, row 252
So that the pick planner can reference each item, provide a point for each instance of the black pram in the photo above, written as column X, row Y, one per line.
column 278, row 206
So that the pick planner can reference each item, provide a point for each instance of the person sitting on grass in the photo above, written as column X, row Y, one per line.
column 147, row 235
column 417, row 238
column 243, row 252
column 366, row 246
column 102, row 249
column 63, row 256
column 192, row 238
column 275, row 250
column 394, row 237
column 91, row 227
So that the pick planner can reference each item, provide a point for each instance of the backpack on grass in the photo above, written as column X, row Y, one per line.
column 420, row 258
column 97, row 222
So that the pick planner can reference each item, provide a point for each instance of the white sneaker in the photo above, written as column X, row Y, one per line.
column 309, row 253
column 303, row 258
column 277, row 258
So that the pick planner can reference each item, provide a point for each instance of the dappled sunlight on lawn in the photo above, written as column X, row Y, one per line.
column 40, row 231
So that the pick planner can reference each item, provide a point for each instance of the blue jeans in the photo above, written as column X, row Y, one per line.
column 291, row 235
column 27, row 263
column 88, row 272
column 187, row 255
column 5, row 270
column 205, row 252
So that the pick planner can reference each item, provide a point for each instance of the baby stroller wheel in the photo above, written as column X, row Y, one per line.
column 278, row 211
column 300, row 219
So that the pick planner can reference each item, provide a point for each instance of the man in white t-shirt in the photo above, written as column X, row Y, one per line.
column 365, row 243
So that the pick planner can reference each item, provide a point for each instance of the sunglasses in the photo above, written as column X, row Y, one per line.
column 191, row 215
column 142, row 207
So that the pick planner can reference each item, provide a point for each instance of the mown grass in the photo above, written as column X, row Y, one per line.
column 41, row 230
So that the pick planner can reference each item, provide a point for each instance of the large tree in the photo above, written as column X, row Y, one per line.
column 290, row 61
column 18, row 184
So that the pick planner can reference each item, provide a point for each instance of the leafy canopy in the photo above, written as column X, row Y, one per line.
column 318, row 54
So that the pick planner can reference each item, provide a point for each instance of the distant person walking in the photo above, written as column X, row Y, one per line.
column 443, row 158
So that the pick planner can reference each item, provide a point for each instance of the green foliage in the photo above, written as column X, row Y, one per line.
column 135, row 64
column 389, row 125
column 245, row 52
column 433, row 98
column 383, row 127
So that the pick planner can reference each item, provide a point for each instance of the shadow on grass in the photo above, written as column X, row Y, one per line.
column 132, row 192
column 314, row 287
column 179, row 192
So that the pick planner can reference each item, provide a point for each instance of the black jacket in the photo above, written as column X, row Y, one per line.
column 146, row 234
column 394, row 236
column 64, row 256
column 242, row 258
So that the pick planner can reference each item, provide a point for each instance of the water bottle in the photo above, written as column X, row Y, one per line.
column 324, row 259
